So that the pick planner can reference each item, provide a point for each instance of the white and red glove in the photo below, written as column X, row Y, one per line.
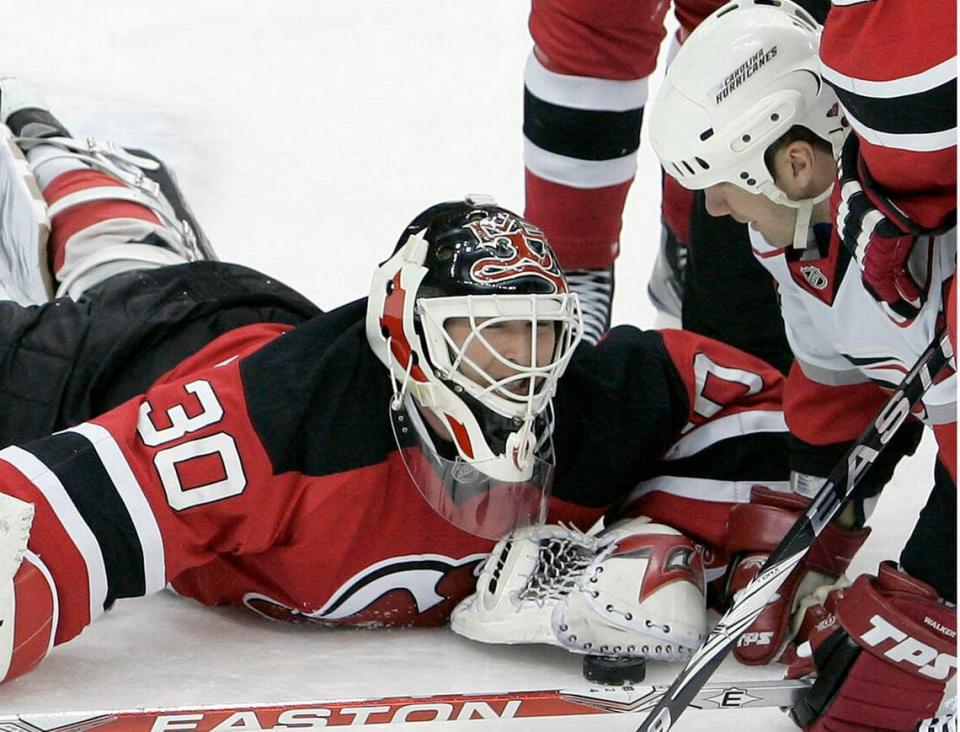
column 883, row 650
column 755, row 530
column 634, row 590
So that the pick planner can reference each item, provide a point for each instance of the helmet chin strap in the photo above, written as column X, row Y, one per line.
column 399, row 389
column 520, row 445
column 804, row 207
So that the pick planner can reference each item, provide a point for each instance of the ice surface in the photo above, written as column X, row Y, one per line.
column 306, row 134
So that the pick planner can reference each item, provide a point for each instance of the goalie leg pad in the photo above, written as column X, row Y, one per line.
column 104, row 225
column 31, row 602
column 24, row 228
column 27, row 597
column 635, row 590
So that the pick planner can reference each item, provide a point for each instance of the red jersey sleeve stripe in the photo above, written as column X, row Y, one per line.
column 132, row 495
column 70, row 519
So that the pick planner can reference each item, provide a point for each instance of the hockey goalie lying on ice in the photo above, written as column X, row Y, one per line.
column 170, row 418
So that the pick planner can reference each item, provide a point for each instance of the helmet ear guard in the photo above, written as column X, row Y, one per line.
column 741, row 80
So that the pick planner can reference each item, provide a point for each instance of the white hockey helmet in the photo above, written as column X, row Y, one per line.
column 747, row 74
column 474, row 261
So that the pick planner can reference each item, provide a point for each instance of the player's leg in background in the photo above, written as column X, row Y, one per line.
column 931, row 551
column 585, row 89
column 112, row 210
column 727, row 293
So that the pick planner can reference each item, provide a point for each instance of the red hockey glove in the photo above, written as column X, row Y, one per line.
column 878, row 234
column 755, row 530
column 883, row 650
column 886, row 275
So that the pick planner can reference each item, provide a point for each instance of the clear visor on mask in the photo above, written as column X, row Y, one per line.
column 460, row 491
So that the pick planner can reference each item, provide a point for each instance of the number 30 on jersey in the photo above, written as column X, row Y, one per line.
column 173, row 462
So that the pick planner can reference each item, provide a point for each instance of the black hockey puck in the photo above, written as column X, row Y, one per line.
column 614, row 671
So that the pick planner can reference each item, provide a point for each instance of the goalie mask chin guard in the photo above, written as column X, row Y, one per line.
column 473, row 319
column 463, row 492
column 742, row 79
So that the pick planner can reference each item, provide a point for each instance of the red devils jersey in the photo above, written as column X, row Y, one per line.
column 263, row 472
column 893, row 65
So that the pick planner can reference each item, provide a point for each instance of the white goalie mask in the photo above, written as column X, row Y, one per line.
column 474, row 320
column 747, row 74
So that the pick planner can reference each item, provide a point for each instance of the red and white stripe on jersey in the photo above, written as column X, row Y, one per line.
column 584, row 94
column 576, row 189
column 724, row 428
column 894, row 70
column 853, row 406
column 79, row 551
column 131, row 493
column 31, row 612
column 735, row 420
column 91, row 211
column 112, row 541
column 915, row 84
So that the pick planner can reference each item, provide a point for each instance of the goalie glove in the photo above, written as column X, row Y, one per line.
column 755, row 530
column 635, row 590
column 883, row 651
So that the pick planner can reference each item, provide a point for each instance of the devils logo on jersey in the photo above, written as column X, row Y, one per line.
column 412, row 590
column 519, row 250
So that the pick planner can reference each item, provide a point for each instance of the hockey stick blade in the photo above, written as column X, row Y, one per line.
column 840, row 484
column 391, row 710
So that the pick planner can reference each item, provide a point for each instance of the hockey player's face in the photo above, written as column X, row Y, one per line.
column 774, row 221
column 513, row 340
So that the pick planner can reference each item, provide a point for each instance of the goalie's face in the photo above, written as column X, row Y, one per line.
column 500, row 365
column 506, row 352
column 503, row 352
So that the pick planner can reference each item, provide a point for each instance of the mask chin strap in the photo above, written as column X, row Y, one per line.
column 399, row 388
column 520, row 445
column 804, row 210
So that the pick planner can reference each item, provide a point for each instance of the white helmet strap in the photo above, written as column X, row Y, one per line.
column 804, row 209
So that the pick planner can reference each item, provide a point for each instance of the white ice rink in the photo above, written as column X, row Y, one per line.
column 306, row 134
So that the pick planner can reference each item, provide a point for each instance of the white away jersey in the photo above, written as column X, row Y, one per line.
column 839, row 333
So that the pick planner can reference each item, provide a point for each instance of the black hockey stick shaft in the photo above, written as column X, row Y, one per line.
column 840, row 484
